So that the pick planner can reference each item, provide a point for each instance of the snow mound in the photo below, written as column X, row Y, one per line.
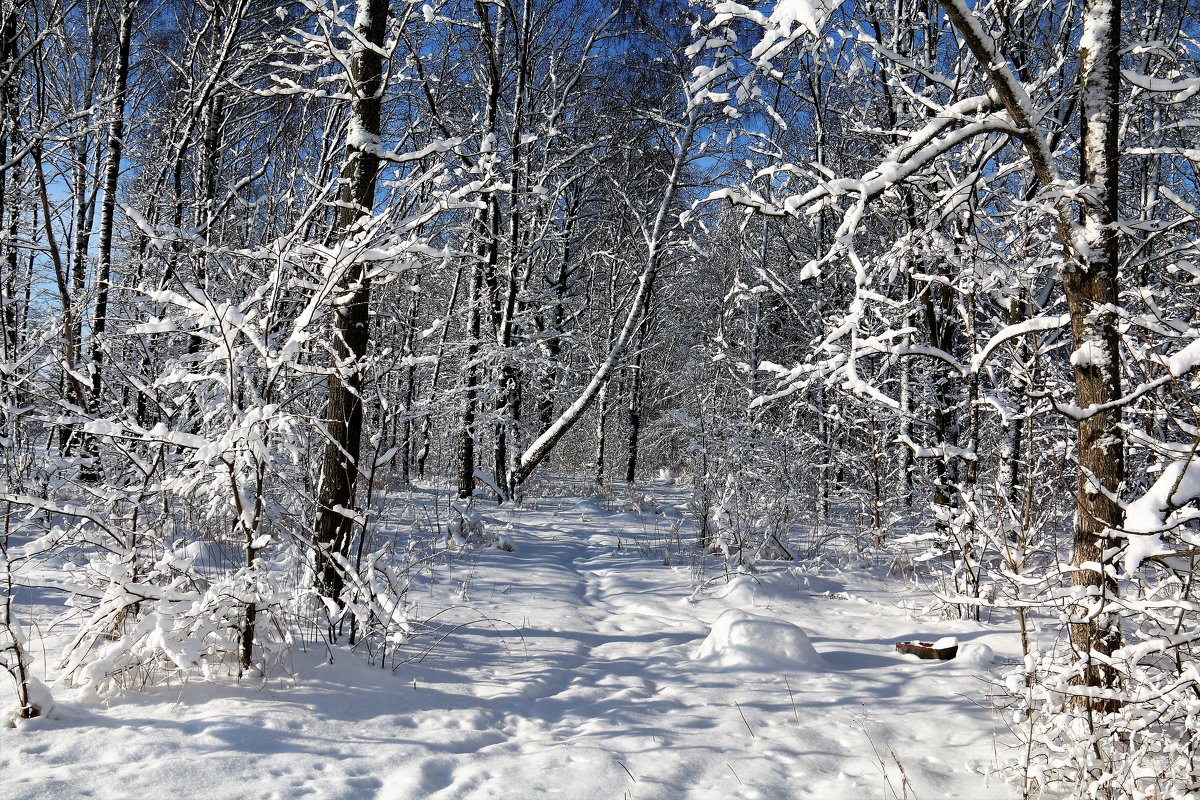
column 741, row 640
column 39, row 696
column 748, row 591
column 741, row 592
column 976, row 654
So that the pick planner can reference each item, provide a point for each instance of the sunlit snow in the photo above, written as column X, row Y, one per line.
column 579, row 665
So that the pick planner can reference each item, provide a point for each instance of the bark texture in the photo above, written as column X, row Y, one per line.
column 344, row 414
column 1091, row 285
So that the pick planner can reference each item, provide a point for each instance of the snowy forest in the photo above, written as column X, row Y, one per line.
column 320, row 316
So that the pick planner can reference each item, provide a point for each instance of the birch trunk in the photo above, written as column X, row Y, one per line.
column 1090, row 283
column 1092, row 296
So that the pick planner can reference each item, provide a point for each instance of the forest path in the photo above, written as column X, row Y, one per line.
column 566, row 669
column 586, row 647
column 598, row 693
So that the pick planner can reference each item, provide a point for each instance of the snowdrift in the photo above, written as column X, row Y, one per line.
column 741, row 640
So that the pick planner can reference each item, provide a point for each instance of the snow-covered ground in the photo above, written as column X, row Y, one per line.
column 578, row 666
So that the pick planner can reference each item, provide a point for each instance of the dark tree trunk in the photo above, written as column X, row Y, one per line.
column 507, row 404
column 551, row 322
column 408, row 381
column 483, row 290
column 635, row 410
column 466, row 431
column 112, row 171
column 344, row 414
column 10, row 212
column 427, row 419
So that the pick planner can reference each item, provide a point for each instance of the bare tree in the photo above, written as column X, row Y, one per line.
column 344, row 414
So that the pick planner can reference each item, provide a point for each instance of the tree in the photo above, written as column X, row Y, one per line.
column 993, row 132
column 344, row 415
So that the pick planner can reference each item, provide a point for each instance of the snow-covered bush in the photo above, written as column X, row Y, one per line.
column 14, row 653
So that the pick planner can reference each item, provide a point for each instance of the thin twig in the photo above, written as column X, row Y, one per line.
column 739, row 708
column 792, row 697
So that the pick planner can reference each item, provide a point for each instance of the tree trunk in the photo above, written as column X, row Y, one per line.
column 10, row 211
column 112, row 170
column 507, row 405
column 601, row 436
column 1091, row 288
column 344, row 414
column 466, row 431
column 427, row 419
column 482, row 290
column 552, row 345
column 408, row 382
column 1091, row 285
column 633, row 441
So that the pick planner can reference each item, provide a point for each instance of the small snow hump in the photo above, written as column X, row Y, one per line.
column 741, row 640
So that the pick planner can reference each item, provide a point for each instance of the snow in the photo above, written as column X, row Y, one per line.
column 979, row 655
column 1169, row 502
column 1185, row 360
column 145, row 227
column 579, row 665
column 742, row 640
column 359, row 138
column 1091, row 353
column 787, row 22
column 1016, row 330
column 804, row 13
